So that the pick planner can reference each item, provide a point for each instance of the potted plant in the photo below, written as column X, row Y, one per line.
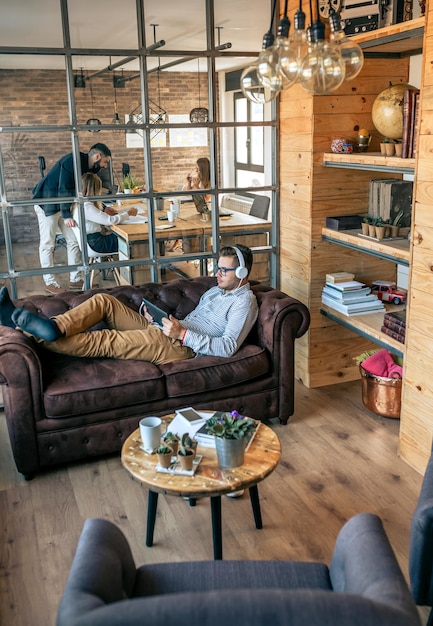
column 372, row 228
column 172, row 440
column 379, row 228
column 387, row 147
column 185, row 455
column 398, row 145
column 188, row 442
column 395, row 226
column 231, row 432
column 129, row 184
column 364, row 224
column 164, row 453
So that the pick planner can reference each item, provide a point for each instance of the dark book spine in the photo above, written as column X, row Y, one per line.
column 406, row 122
column 398, row 327
column 393, row 334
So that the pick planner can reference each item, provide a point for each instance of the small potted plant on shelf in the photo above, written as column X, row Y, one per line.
column 364, row 224
column 185, row 455
column 231, row 432
column 164, row 453
column 395, row 226
column 379, row 228
column 172, row 440
column 387, row 147
column 129, row 184
column 372, row 228
column 398, row 145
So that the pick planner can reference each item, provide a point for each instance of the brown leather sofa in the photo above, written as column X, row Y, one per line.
column 61, row 409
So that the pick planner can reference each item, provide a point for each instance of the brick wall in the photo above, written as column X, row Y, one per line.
column 39, row 97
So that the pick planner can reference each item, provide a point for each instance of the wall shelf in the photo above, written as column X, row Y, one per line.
column 399, row 40
column 367, row 326
column 371, row 161
column 396, row 251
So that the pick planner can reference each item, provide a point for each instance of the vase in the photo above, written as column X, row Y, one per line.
column 230, row 452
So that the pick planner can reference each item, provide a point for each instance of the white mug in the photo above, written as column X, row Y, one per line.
column 151, row 430
column 171, row 215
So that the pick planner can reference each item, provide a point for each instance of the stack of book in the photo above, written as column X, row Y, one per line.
column 394, row 325
column 349, row 297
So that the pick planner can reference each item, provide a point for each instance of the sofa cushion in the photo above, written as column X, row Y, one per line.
column 74, row 386
column 204, row 373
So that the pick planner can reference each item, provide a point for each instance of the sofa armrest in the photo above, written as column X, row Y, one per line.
column 364, row 564
column 21, row 377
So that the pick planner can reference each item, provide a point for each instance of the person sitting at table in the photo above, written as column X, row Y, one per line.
column 98, row 238
column 199, row 178
column 218, row 325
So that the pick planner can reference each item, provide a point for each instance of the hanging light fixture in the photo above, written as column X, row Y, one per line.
column 277, row 64
column 93, row 121
column 116, row 119
column 320, row 66
column 251, row 82
column 352, row 54
column 199, row 115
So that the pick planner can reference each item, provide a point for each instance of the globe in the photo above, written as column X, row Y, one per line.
column 387, row 112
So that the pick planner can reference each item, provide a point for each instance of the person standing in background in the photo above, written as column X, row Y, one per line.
column 59, row 182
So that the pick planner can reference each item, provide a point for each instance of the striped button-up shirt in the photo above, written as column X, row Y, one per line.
column 221, row 321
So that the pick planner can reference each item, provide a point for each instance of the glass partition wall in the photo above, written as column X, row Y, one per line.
column 133, row 75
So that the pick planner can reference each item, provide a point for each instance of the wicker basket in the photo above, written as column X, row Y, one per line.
column 381, row 395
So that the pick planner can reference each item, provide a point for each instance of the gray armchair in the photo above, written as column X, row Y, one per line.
column 421, row 545
column 363, row 585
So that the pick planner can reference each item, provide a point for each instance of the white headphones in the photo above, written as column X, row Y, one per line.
column 241, row 271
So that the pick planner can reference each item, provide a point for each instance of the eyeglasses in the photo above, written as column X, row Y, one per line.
column 223, row 270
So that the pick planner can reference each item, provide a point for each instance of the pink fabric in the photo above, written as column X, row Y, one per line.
column 382, row 364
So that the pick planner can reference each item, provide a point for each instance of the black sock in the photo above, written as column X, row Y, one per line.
column 37, row 326
column 6, row 308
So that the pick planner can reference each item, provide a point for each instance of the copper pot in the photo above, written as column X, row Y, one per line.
column 381, row 395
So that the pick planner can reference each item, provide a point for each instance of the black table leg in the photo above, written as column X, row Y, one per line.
column 152, row 503
column 255, row 503
column 215, row 505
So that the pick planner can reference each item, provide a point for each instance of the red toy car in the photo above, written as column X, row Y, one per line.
column 389, row 292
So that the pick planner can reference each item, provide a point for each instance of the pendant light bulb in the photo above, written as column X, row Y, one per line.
column 298, row 39
column 251, row 81
column 253, row 89
column 277, row 64
column 352, row 54
column 323, row 68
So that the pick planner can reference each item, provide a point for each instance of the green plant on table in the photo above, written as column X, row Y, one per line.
column 366, row 219
column 170, row 438
column 129, row 182
column 163, row 449
column 230, row 425
column 185, row 446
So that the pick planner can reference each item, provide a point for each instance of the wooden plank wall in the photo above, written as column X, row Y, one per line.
column 309, row 193
column 416, row 427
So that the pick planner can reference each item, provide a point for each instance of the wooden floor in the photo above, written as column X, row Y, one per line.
column 338, row 460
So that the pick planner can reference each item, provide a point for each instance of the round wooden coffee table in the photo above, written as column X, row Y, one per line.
column 209, row 480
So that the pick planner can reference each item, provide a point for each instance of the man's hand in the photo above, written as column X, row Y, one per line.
column 70, row 222
column 145, row 313
column 172, row 328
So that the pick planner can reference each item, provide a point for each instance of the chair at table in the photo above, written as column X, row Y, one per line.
column 421, row 545
column 93, row 256
column 363, row 585
column 260, row 207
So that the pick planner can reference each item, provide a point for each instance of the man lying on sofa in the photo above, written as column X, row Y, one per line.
column 218, row 325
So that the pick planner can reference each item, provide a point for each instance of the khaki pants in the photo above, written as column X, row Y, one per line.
column 130, row 336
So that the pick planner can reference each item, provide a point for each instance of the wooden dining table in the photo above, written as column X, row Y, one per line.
column 189, row 226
